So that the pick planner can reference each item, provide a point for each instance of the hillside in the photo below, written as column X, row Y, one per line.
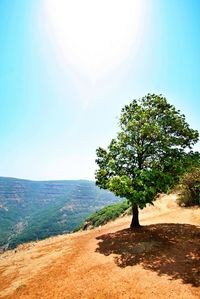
column 31, row 210
column 160, row 260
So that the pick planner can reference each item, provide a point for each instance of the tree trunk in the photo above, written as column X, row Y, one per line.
column 135, row 220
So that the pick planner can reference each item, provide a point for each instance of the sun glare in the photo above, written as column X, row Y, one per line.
column 94, row 36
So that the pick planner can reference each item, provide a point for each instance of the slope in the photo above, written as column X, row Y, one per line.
column 161, row 260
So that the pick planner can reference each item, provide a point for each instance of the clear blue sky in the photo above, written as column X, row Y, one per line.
column 68, row 67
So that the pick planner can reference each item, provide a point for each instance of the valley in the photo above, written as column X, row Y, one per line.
column 34, row 210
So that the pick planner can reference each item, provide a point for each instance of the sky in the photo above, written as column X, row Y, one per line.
column 67, row 68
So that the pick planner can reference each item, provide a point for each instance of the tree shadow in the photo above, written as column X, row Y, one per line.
column 167, row 248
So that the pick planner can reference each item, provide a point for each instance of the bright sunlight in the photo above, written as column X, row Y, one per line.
column 95, row 37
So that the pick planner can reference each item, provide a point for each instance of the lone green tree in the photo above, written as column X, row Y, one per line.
column 151, row 151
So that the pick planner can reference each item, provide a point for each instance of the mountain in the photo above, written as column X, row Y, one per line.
column 31, row 210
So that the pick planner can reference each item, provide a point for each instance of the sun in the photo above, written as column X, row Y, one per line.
column 94, row 37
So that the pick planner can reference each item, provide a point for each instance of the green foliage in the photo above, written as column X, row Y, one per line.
column 189, row 188
column 32, row 210
column 105, row 215
column 149, row 154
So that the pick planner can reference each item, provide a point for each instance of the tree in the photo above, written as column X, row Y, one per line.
column 151, row 151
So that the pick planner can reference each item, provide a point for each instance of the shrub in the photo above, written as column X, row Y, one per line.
column 105, row 215
column 189, row 189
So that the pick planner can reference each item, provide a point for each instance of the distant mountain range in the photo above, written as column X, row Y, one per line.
column 31, row 210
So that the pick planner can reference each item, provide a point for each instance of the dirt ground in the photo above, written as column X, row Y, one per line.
column 160, row 260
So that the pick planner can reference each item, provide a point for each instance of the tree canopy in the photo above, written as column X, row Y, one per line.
column 150, row 152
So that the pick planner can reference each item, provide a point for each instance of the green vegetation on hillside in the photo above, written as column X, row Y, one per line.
column 31, row 210
column 105, row 215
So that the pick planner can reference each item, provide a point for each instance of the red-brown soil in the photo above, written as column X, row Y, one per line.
column 160, row 260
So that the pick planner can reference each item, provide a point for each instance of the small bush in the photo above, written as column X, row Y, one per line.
column 189, row 189
column 105, row 215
